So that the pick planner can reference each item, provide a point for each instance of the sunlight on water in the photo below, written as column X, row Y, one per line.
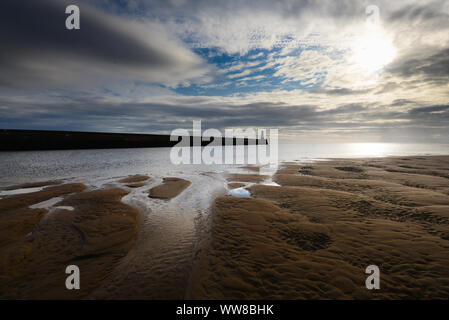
column 371, row 149
column 97, row 166
column 304, row 151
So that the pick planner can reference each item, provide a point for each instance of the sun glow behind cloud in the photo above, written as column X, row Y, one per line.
column 373, row 50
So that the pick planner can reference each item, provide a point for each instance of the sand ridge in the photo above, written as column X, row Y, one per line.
column 313, row 237
column 235, row 185
column 170, row 188
column 34, row 184
column 135, row 178
column 136, row 181
column 94, row 236
column 242, row 177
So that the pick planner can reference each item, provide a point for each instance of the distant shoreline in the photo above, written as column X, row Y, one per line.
column 33, row 140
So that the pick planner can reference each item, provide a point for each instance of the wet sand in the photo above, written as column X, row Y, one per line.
column 170, row 188
column 313, row 237
column 36, row 245
column 252, row 168
column 97, row 231
column 235, row 185
column 33, row 185
column 160, row 264
column 309, row 238
column 136, row 181
column 240, row 177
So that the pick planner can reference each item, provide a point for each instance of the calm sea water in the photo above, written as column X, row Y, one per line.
column 101, row 165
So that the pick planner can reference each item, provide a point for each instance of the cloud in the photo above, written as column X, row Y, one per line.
column 240, row 74
column 435, row 113
column 338, row 92
column 433, row 68
column 93, row 113
column 240, row 66
column 152, row 66
column 256, row 56
column 38, row 50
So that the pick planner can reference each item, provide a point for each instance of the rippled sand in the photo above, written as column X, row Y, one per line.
column 43, row 232
column 313, row 237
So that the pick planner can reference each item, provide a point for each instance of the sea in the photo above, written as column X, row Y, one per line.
column 103, row 164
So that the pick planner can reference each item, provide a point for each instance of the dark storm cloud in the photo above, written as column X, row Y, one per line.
column 37, row 47
column 33, row 26
column 342, row 8
column 434, row 114
column 147, row 114
column 90, row 113
column 146, row 117
column 432, row 109
column 434, row 68
column 431, row 116
column 428, row 12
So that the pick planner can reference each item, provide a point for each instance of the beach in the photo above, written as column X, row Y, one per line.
column 308, row 231
column 313, row 236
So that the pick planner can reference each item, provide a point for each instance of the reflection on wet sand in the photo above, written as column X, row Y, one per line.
column 160, row 264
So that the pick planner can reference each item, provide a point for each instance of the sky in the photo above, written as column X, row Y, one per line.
column 319, row 71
